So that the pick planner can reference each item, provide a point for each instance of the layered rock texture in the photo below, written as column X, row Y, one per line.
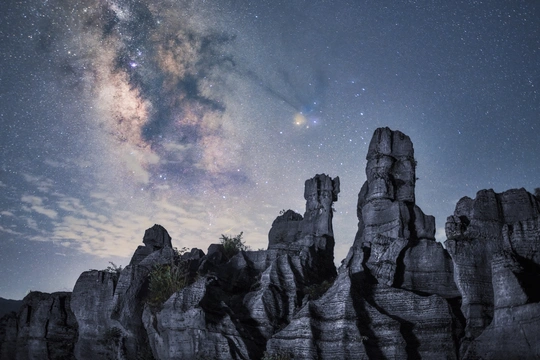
column 395, row 295
column 43, row 328
column 241, row 302
column 398, row 294
column 494, row 242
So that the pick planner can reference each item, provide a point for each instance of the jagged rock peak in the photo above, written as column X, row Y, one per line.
column 320, row 193
column 286, row 216
column 321, row 189
column 157, row 237
column 391, row 166
column 391, row 143
column 395, row 238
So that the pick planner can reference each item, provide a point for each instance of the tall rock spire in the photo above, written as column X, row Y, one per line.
column 391, row 225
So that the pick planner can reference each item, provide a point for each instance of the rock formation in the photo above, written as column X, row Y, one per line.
column 398, row 294
column 494, row 242
column 241, row 303
column 44, row 328
column 391, row 299
column 108, row 305
column 7, row 306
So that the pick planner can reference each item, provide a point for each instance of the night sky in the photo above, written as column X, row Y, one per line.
column 207, row 117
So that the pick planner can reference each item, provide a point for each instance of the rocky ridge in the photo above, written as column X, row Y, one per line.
column 398, row 293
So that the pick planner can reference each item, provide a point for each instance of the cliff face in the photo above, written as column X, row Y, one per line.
column 395, row 296
column 44, row 328
column 108, row 305
column 398, row 294
column 239, row 304
column 494, row 241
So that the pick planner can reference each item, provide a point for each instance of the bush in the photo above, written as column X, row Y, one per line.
column 164, row 280
column 233, row 245
column 180, row 252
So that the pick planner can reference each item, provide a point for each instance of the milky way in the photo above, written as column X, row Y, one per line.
column 207, row 117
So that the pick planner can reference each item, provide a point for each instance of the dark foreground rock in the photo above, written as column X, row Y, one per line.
column 398, row 294
column 7, row 306
column 494, row 241
column 44, row 328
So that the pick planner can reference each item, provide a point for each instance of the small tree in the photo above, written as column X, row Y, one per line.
column 233, row 245
column 113, row 268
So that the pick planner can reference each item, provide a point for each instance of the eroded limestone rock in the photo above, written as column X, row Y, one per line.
column 44, row 328
column 395, row 296
column 494, row 242
column 398, row 294
column 240, row 303
column 108, row 305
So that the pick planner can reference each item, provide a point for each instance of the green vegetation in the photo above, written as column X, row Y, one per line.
column 233, row 245
column 164, row 280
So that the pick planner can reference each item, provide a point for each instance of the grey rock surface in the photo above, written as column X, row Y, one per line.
column 241, row 302
column 44, row 329
column 395, row 295
column 398, row 294
column 92, row 304
column 8, row 336
column 108, row 305
column 494, row 241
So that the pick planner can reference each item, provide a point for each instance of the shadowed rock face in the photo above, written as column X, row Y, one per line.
column 398, row 294
column 44, row 328
column 395, row 296
column 494, row 242
column 395, row 239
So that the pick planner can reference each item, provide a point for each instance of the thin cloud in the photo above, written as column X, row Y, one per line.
column 36, row 205
column 41, row 183
column 10, row 231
